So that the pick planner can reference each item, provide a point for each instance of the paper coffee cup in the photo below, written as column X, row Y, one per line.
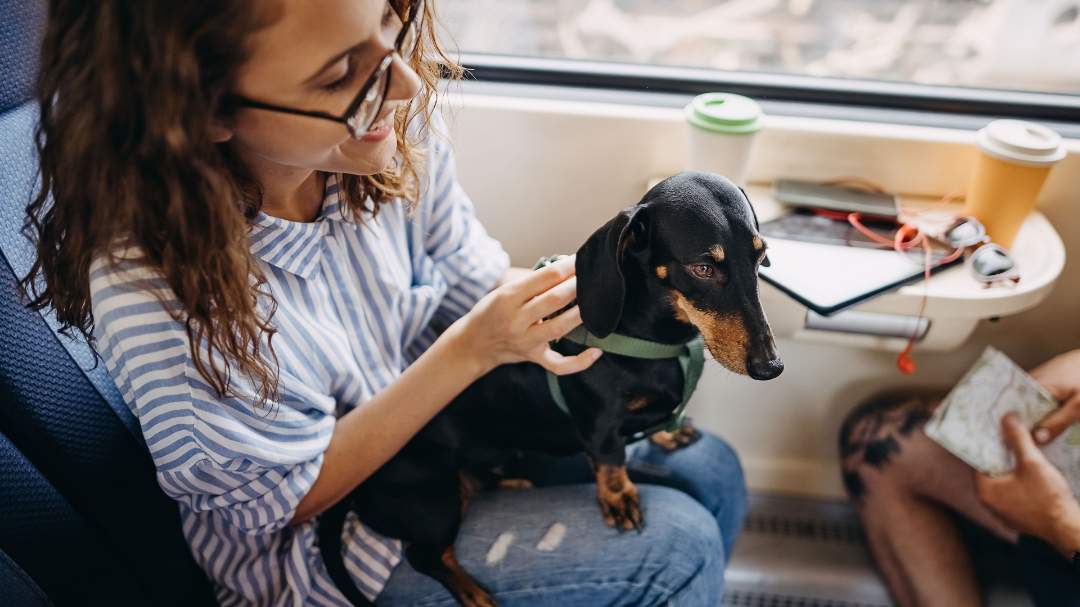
column 723, row 127
column 1014, row 159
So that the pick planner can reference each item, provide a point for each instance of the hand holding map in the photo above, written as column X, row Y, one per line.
column 968, row 421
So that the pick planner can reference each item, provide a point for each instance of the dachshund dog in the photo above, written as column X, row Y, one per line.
column 680, row 265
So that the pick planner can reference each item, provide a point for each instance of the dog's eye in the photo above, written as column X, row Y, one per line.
column 702, row 270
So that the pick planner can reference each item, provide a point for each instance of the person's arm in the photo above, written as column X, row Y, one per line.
column 369, row 435
column 504, row 327
column 1034, row 498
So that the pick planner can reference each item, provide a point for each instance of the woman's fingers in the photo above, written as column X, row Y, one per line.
column 554, row 328
column 550, row 301
column 565, row 365
column 541, row 280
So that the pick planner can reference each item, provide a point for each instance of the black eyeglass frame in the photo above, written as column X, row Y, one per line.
column 409, row 27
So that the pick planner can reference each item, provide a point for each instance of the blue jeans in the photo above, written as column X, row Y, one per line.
column 549, row 545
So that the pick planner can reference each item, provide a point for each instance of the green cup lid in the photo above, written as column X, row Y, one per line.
column 724, row 113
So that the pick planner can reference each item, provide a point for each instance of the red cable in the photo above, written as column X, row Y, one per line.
column 907, row 237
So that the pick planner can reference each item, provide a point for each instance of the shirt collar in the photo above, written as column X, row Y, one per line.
column 296, row 246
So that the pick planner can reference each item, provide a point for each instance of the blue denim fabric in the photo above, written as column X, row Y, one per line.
column 693, row 500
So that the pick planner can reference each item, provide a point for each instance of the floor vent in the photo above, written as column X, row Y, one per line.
column 804, row 552
column 818, row 529
column 757, row 599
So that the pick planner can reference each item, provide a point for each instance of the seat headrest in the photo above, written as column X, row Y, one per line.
column 22, row 22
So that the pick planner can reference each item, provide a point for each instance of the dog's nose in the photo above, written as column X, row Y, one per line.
column 763, row 369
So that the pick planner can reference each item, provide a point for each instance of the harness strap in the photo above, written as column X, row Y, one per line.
column 624, row 344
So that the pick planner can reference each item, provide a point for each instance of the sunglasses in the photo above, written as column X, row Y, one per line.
column 990, row 263
column 364, row 109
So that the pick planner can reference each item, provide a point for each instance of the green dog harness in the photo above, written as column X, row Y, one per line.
column 691, row 356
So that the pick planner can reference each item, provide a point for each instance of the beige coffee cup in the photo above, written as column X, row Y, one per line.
column 1014, row 159
column 723, row 127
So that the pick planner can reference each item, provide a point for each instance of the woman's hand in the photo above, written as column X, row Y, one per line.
column 1034, row 498
column 507, row 325
column 1061, row 376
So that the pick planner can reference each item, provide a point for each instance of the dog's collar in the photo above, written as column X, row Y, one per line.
column 691, row 356
column 624, row 344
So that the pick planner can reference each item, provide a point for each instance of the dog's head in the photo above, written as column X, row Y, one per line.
column 692, row 245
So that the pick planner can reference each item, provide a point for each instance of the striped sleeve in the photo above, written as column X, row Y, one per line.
column 469, row 259
column 251, row 466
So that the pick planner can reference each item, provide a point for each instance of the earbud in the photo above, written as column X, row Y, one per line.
column 905, row 363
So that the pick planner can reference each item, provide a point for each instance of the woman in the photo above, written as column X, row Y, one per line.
column 255, row 216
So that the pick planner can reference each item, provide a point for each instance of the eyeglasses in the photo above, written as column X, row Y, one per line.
column 990, row 263
column 368, row 103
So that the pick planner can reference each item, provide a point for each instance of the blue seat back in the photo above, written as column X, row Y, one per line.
column 82, row 519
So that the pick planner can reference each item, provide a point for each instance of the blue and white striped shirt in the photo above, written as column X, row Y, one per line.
column 357, row 303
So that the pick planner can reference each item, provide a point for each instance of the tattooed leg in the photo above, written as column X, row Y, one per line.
column 872, row 434
column 903, row 485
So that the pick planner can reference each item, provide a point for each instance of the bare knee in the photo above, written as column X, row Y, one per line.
column 880, row 443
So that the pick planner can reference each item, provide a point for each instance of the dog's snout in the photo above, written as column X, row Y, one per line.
column 763, row 361
column 764, row 368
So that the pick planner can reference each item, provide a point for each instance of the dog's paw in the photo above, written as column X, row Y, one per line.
column 622, row 511
column 619, row 499
column 515, row 483
column 459, row 582
column 672, row 441
column 477, row 597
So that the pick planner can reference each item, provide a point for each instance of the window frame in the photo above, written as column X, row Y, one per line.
column 792, row 89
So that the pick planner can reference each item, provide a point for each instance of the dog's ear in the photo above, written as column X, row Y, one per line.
column 601, row 285
column 765, row 260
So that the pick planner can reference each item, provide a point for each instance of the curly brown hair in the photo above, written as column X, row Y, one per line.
column 128, row 92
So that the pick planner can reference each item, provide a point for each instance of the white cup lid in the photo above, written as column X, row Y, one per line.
column 1021, row 142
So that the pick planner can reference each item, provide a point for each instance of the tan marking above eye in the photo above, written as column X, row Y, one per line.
column 637, row 403
column 758, row 243
column 661, row 272
column 717, row 253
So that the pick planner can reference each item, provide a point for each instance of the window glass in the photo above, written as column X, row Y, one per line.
column 1031, row 45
